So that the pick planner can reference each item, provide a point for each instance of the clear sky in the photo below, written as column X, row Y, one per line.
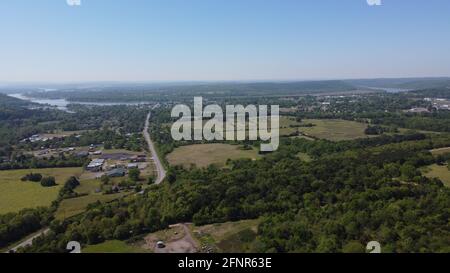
column 165, row 40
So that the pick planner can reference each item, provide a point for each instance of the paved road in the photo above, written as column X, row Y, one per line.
column 29, row 241
column 159, row 167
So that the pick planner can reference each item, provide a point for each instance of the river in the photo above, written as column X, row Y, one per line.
column 62, row 104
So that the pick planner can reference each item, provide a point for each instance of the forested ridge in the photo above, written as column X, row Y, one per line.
column 182, row 92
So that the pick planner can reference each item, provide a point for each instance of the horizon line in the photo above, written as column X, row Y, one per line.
column 215, row 81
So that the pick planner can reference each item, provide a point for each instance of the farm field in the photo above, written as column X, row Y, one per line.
column 16, row 195
column 75, row 206
column 436, row 171
column 203, row 155
column 330, row 129
column 334, row 129
column 287, row 126
column 88, row 186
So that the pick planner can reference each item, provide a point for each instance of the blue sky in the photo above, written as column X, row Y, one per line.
column 165, row 40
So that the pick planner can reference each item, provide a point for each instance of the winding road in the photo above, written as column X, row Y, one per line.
column 159, row 167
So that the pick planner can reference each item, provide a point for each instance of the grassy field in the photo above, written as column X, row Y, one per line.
column 203, row 155
column 436, row 171
column 229, row 237
column 441, row 151
column 75, row 206
column 334, row 129
column 88, row 186
column 287, row 126
column 305, row 157
column 331, row 129
column 16, row 195
column 113, row 247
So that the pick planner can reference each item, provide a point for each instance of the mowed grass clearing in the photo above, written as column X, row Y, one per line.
column 113, row 246
column 304, row 157
column 16, row 195
column 88, row 186
column 436, row 171
column 330, row 129
column 287, row 126
column 74, row 206
column 334, row 129
column 203, row 155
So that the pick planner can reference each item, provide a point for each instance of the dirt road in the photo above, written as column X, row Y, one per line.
column 159, row 167
column 179, row 240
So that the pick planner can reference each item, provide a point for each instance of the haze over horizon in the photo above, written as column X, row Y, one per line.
column 179, row 41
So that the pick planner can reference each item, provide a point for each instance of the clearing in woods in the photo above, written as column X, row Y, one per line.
column 16, row 195
column 436, row 171
column 441, row 151
column 74, row 206
column 330, row 129
column 229, row 237
column 203, row 155
column 334, row 129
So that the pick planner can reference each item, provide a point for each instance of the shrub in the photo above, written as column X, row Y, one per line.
column 48, row 182
column 33, row 177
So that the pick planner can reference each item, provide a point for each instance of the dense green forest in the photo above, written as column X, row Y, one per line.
column 336, row 203
column 14, row 226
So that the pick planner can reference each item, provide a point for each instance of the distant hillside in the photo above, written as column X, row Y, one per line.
column 134, row 92
column 6, row 101
column 287, row 87
column 433, row 93
column 403, row 83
